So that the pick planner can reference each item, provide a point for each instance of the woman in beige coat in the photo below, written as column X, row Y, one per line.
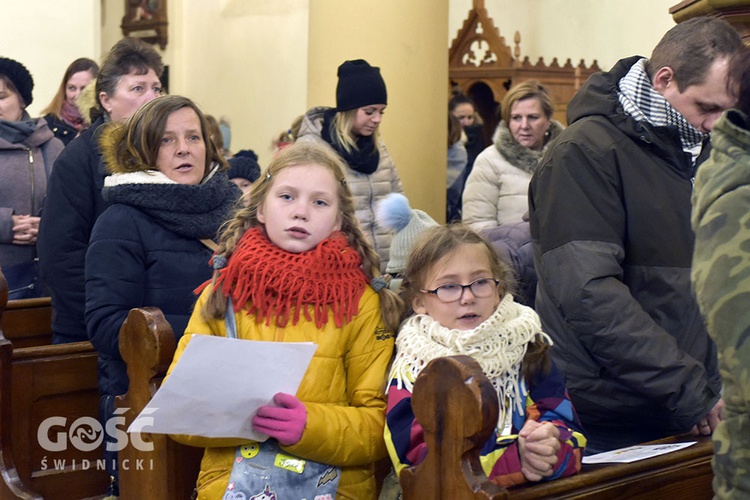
column 497, row 187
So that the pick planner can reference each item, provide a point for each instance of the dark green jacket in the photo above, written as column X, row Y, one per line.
column 610, row 221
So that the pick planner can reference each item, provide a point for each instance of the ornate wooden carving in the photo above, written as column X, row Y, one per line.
column 147, row 20
column 479, row 57
column 735, row 12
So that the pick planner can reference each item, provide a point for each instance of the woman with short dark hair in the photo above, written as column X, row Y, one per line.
column 169, row 195
column 128, row 78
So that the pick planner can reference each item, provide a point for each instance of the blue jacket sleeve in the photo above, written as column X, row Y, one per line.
column 115, row 278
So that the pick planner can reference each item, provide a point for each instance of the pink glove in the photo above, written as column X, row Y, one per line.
column 285, row 422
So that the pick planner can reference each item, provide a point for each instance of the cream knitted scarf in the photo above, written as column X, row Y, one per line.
column 498, row 345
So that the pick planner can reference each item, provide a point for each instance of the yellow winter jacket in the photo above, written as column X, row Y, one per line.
column 342, row 391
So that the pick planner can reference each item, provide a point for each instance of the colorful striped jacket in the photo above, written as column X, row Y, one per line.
column 546, row 400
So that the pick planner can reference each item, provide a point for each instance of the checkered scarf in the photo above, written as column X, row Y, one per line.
column 643, row 103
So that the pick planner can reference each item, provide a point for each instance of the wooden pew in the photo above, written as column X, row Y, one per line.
column 458, row 409
column 37, row 383
column 678, row 475
column 450, row 399
column 27, row 322
column 169, row 471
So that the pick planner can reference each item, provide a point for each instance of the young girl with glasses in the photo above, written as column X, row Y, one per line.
column 457, row 300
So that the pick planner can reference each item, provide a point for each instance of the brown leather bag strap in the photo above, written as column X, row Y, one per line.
column 211, row 244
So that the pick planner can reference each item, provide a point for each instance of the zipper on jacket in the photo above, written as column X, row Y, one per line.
column 31, row 176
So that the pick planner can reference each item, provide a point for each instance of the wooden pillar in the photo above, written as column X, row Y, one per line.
column 408, row 41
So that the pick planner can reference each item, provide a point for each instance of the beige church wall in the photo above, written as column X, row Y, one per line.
column 112, row 14
column 46, row 36
column 605, row 30
column 251, row 61
column 246, row 61
column 406, row 40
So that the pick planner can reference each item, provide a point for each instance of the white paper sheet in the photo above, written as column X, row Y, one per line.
column 219, row 383
column 634, row 453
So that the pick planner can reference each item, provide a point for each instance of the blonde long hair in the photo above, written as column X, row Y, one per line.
column 247, row 217
column 341, row 130
column 77, row 66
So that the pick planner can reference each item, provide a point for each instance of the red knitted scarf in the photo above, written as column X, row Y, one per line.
column 274, row 282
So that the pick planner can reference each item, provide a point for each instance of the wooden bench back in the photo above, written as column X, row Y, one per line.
column 37, row 383
column 28, row 322
column 457, row 407
column 169, row 470
column 678, row 475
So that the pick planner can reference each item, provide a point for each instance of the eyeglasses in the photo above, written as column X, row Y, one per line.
column 450, row 292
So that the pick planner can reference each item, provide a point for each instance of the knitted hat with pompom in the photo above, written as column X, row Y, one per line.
column 393, row 212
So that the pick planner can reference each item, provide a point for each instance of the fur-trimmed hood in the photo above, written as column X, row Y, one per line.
column 520, row 156
column 312, row 121
column 86, row 102
column 109, row 137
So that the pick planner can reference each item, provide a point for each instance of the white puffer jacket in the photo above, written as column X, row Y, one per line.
column 367, row 190
column 497, row 188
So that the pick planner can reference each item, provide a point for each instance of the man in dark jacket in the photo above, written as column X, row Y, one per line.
column 610, row 221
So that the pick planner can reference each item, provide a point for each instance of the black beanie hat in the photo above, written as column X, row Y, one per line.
column 20, row 76
column 359, row 85
column 244, row 164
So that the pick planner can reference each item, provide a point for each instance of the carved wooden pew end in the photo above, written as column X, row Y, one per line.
column 458, row 410
column 170, row 469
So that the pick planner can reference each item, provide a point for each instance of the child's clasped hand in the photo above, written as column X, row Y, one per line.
column 538, row 444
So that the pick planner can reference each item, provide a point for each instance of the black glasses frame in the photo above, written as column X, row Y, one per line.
column 463, row 287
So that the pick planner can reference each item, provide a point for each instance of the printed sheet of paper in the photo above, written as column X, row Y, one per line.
column 219, row 383
column 634, row 453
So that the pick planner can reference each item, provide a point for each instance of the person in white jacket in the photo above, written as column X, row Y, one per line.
column 497, row 187
column 351, row 129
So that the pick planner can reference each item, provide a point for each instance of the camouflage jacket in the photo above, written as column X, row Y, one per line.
column 721, row 279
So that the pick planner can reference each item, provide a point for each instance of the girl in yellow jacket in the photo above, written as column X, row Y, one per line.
column 298, row 269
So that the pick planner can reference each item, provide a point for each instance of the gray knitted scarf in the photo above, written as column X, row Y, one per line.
column 192, row 211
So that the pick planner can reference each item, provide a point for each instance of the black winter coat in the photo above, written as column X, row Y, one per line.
column 610, row 220
column 73, row 203
column 133, row 262
column 62, row 130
